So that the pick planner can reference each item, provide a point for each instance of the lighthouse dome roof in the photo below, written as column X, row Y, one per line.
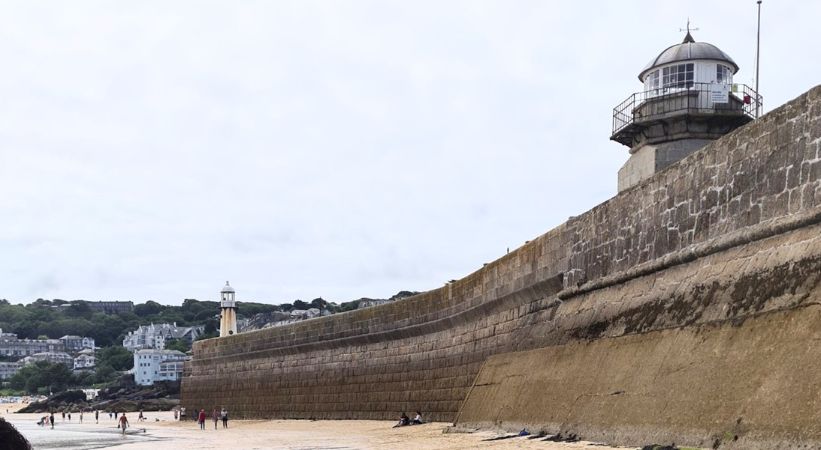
column 226, row 288
column 688, row 50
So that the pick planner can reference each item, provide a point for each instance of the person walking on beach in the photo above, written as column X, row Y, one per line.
column 81, row 417
column 224, row 416
column 123, row 423
column 201, row 419
column 96, row 416
column 216, row 416
column 51, row 419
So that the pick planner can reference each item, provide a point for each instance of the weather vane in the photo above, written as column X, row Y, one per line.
column 688, row 29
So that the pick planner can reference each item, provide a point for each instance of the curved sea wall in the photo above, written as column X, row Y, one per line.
column 725, row 235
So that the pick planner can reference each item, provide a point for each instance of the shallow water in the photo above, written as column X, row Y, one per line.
column 71, row 435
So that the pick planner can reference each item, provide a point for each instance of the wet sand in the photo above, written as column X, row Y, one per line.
column 250, row 434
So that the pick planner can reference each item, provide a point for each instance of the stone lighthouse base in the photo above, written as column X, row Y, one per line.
column 651, row 158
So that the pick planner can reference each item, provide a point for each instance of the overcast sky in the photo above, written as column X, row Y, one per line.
column 153, row 150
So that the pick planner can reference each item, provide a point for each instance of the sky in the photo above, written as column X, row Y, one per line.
column 153, row 150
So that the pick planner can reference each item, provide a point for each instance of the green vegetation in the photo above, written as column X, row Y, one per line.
column 11, row 393
column 42, row 378
column 56, row 318
column 177, row 344
column 53, row 319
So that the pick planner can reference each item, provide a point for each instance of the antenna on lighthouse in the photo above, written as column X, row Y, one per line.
column 757, row 59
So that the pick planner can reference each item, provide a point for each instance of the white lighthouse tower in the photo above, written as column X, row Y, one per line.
column 228, row 311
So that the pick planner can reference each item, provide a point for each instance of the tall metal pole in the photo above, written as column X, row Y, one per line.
column 757, row 61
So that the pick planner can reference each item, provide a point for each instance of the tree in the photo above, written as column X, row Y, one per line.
column 148, row 308
column 299, row 304
column 79, row 309
column 319, row 303
column 118, row 358
column 177, row 344
column 42, row 376
column 210, row 328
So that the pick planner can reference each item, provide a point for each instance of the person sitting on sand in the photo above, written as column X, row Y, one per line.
column 10, row 438
column 403, row 420
column 418, row 419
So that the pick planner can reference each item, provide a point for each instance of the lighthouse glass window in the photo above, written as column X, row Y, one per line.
column 652, row 80
column 678, row 76
column 723, row 74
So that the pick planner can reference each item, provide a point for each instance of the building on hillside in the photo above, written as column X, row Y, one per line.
column 170, row 370
column 85, row 362
column 367, row 303
column 74, row 343
column 149, row 363
column 10, row 345
column 8, row 369
column 112, row 307
column 52, row 357
column 155, row 336
column 303, row 314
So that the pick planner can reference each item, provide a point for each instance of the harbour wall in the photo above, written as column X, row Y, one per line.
column 690, row 247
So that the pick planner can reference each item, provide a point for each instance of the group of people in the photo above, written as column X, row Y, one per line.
column 404, row 420
column 216, row 415
column 122, row 421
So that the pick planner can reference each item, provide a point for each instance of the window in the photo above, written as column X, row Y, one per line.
column 724, row 74
column 678, row 76
column 651, row 81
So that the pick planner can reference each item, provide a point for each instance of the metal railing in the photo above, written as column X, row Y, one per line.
column 695, row 98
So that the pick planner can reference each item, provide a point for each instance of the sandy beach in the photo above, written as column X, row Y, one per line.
column 160, row 431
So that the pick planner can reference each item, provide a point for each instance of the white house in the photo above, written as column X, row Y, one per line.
column 52, row 357
column 84, row 361
column 8, row 369
column 148, row 362
column 155, row 336
column 76, row 343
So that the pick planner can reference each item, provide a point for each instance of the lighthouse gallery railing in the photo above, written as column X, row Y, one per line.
column 695, row 98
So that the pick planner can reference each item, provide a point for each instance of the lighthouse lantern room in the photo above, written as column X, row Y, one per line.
column 228, row 311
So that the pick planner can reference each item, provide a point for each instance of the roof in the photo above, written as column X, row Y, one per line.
column 688, row 50
column 154, row 351
column 227, row 288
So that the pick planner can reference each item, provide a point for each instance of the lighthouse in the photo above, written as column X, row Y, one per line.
column 688, row 100
column 228, row 311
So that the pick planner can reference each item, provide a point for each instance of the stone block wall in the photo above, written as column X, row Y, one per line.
column 573, row 284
